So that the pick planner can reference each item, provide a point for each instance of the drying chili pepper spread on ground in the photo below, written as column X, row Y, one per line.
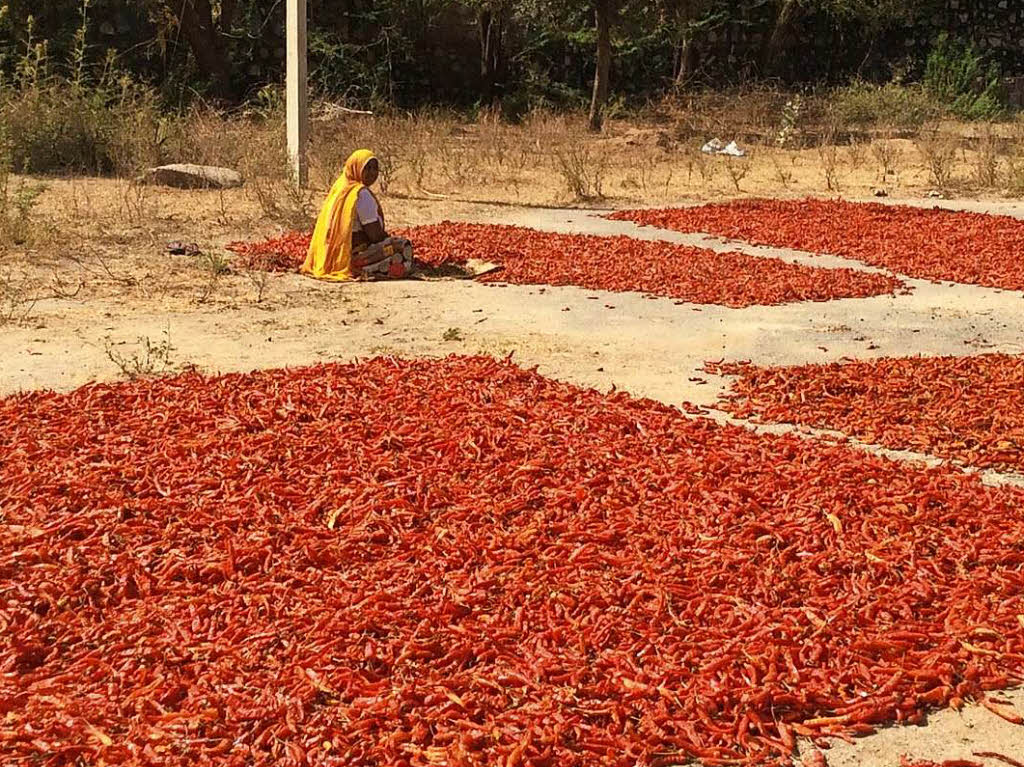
column 530, row 257
column 930, row 244
column 968, row 409
column 461, row 562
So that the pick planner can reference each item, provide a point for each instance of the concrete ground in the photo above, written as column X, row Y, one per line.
column 650, row 347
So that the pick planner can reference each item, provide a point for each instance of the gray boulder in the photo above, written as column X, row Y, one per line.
column 184, row 176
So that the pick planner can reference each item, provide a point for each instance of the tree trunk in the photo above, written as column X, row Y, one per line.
column 603, row 12
column 773, row 48
column 687, row 55
column 491, row 52
column 684, row 53
column 207, row 40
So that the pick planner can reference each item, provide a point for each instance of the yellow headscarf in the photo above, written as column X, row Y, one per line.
column 330, row 251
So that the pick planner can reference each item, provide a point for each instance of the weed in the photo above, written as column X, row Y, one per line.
column 215, row 265
column 280, row 200
column 16, row 299
column 738, row 170
column 790, row 121
column 98, row 266
column 456, row 164
column 705, row 167
column 452, row 334
column 783, row 174
column 17, row 227
column 986, row 159
column 259, row 279
column 939, row 152
column 72, row 116
column 149, row 358
column 828, row 155
column 268, row 177
column 1016, row 177
column 136, row 200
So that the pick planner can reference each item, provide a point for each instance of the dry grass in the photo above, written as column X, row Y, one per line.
column 436, row 165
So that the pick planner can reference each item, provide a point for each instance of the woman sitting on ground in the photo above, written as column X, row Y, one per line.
column 350, row 240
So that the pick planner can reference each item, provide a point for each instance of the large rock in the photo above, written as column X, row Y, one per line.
column 184, row 176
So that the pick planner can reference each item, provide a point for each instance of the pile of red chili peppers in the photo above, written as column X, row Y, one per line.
column 530, row 257
column 968, row 409
column 284, row 253
column 461, row 562
column 931, row 244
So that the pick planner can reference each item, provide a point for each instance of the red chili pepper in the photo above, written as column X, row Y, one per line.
column 530, row 257
column 417, row 562
column 932, row 244
column 968, row 409
column 1000, row 757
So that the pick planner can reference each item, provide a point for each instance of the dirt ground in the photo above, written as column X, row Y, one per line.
column 98, row 295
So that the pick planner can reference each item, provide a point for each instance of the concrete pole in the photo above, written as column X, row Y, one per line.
column 297, row 93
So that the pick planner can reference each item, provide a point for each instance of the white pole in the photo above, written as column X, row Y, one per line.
column 297, row 95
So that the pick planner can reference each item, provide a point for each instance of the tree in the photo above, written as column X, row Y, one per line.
column 872, row 15
column 691, row 18
column 603, row 11
column 208, row 36
column 492, row 16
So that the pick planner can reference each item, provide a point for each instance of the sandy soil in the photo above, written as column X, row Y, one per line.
column 99, row 289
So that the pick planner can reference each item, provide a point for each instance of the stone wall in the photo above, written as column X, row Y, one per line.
column 995, row 26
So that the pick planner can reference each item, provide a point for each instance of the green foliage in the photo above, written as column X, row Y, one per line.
column 958, row 76
column 16, row 203
column 83, row 82
column 76, row 117
column 867, row 105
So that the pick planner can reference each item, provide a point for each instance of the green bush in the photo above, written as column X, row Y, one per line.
column 865, row 105
column 57, row 129
column 75, row 118
column 957, row 75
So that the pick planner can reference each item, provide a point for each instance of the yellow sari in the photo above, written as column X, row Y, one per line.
column 330, row 251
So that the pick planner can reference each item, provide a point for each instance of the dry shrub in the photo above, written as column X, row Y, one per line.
column 986, row 158
column 783, row 167
column 148, row 358
column 208, row 137
column 1016, row 162
column 727, row 115
column 889, row 155
column 388, row 138
column 939, row 151
column 17, row 298
column 828, row 156
column 642, row 167
column 856, row 152
column 137, row 202
column 706, row 167
column 738, row 169
column 578, row 158
column 583, row 169
column 269, row 182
